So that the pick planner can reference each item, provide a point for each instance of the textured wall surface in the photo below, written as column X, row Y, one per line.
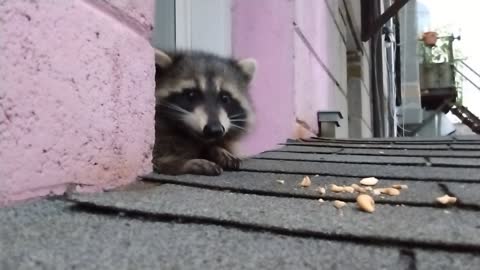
column 320, row 61
column 302, row 65
column 263, row 30
column 76, row 95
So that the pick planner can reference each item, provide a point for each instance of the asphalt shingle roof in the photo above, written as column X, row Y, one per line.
column 248, row 220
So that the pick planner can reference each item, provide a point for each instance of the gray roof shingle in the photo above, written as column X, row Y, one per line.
column 426, row 225
column 248, row 220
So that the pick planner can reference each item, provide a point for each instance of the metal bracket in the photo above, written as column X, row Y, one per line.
column 328, row 121
column 374, row 25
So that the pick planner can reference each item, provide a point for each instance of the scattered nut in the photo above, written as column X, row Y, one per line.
column 378, row 191
column 366, row 203
column 349, row 189
column 336, row 188
column 339, row 204
column 391, row 191
column 445, row 199
column 281, row 182
column 321, row 200
column 368, row 188
column 370, row 181
column 400, row 186
column 321, row 190
column 359, row 189
column 306, row 182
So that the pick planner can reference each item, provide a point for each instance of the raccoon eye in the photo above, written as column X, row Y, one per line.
column 225, row 98
column 190, row 93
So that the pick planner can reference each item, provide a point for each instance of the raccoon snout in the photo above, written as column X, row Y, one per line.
column 213, row 130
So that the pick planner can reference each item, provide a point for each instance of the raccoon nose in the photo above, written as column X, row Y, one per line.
column 213, row 130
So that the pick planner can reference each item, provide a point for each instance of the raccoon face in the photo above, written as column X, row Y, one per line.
column 204, row 95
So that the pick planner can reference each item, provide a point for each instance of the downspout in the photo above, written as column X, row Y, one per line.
column 377, row 78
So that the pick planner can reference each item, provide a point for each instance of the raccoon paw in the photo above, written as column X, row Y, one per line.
column 226, row 159
column 202, row 167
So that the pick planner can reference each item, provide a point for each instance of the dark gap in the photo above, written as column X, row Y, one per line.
column 383, row 141
column 373, row 142
column 400, row 148
column 363, row 146
column 376, row 154
column 280, row 194
column 427, row 162
column 343, row 161
column 408, row 259
column 395, row 142
column 363, row 176
column 445, row 189
column 459, row 203
column 185, row 219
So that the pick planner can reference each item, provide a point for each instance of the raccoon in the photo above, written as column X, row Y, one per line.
column 202, row 109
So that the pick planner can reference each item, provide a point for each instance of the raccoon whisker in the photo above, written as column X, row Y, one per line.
column 236, row 115
column 174, row 107
column 236, row 126
column 238, row 120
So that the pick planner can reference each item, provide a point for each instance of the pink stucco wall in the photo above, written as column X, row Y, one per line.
column 76, row 92
column 291, row 39
column 76, row 95
column 264, row 30
column 313, row 47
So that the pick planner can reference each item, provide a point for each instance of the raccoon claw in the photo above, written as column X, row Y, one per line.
column 226, row 159
column 232, row 163
column 202, row 167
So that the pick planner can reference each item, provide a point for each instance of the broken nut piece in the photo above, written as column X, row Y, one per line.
column 400, row 186
column 306, row 182
column 349, row 189
column 281, row 181
column 321, row 190
column 369, row 181
column 366, row 203
column 339, row 204
column 391, row 191
column 445, row 199
column 336, row 188
column 359, row 189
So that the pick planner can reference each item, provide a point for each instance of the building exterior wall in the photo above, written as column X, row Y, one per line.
column 319, row 67
column 76, row 95
column 359, row 66
column 302, row 67
column 77, row 84
column 264, row 30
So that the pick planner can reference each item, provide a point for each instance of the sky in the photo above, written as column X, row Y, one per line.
column 463, row 17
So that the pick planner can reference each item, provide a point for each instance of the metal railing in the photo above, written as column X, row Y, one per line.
column 466, row 77
column 467, row 117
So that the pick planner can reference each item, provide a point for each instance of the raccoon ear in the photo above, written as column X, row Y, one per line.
column 248, row 66
column 162, row 59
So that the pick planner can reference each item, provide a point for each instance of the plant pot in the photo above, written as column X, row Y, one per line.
column 430, row 38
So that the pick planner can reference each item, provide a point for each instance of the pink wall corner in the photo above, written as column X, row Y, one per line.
column 141, row 11
column 76, row 98
column 263, row 30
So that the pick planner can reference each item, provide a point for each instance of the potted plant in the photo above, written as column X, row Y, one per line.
column 430, row 38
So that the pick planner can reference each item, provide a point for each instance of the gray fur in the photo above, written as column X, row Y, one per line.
column 180, row 147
